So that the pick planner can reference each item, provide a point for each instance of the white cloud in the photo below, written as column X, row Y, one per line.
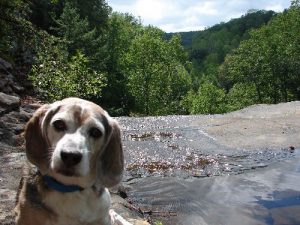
column 275, row 7
column 202, row 8
column 152, row 10
column 191, row 15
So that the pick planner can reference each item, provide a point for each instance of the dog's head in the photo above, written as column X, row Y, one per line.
column 76, row 142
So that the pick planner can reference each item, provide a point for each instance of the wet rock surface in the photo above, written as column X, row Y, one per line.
column 269, row 195
column 218, row 169
column 211, row 145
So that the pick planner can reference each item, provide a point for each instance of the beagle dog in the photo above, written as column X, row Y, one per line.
column 76, row 149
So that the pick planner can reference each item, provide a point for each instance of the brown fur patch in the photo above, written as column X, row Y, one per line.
column 112, row 159
column 36, row 143
column 30, row 210
column 81, row 116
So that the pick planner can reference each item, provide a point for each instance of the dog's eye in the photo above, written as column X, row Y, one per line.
column 95, row 132
column 60, row 125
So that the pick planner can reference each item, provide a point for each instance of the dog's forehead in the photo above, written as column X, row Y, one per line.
column 81, row 111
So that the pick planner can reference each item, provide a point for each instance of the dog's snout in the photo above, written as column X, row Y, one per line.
column 70, row 158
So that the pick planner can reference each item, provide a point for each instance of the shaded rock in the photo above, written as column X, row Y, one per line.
column 12, row 125
column 5, row 66
column 12, row 80
column 8, row 103
column 18, row 88
column 10, row 174
column 30, row 108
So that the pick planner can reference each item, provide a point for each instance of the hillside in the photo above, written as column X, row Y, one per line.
column 238, row 26
column 208, row 48
column 67, row 48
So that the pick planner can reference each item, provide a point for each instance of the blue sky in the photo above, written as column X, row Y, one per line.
column 191, row 15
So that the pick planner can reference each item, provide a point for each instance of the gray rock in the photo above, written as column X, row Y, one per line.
column 5, row 66
column 2, row 110
column 10, row 174
column 8, row 103
column 9, row 82
column 18, row 88
column 3, row 83
column 11, row 125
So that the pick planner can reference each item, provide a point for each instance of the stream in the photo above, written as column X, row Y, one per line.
column 180, row 175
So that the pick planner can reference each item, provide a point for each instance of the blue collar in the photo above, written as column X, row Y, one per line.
column 57, row 186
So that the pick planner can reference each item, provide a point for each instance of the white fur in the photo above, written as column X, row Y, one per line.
column 79, row 208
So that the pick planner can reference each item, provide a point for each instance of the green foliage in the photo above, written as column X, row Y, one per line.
column 44, row 13
column 240, row 96
column 208, row 100
column 72, row 61
column 17, row 35
column 96, row 11
column 79, row 48
column 156, row 74
column 83, row 24
column 80, row 33
column 122, row 30
column 56, row 77
column 7, row 9
column 75, row 30
column 269, row 59
column 208, row 48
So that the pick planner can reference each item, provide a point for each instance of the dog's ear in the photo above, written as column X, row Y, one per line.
column 112, row 159
column 35, row 137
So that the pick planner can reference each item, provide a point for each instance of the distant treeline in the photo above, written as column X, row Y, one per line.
column 82, row 48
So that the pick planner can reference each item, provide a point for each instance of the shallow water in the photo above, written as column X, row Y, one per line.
column 265, row 196
column 178, row 174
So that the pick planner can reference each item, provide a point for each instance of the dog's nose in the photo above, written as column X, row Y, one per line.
column 70, row 158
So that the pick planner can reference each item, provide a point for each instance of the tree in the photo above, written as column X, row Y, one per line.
column 123, row 28
column 96, row 12
column 45, row 12
column 75, row 31
column 248, row 65
column 240, row 96
column 285, row 54
column 269, row 59
column 209, row 47
column 57, row 76
column 18, row 38
column 155, row 68
column 208, row 100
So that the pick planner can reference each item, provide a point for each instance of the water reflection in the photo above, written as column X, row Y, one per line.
column 269, row 195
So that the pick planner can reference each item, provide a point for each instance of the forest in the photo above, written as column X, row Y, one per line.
column 85, row 49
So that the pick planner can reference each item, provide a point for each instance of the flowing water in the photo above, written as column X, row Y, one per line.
column 181, row 175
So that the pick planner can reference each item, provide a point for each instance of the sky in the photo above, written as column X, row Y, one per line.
column 191, row 15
